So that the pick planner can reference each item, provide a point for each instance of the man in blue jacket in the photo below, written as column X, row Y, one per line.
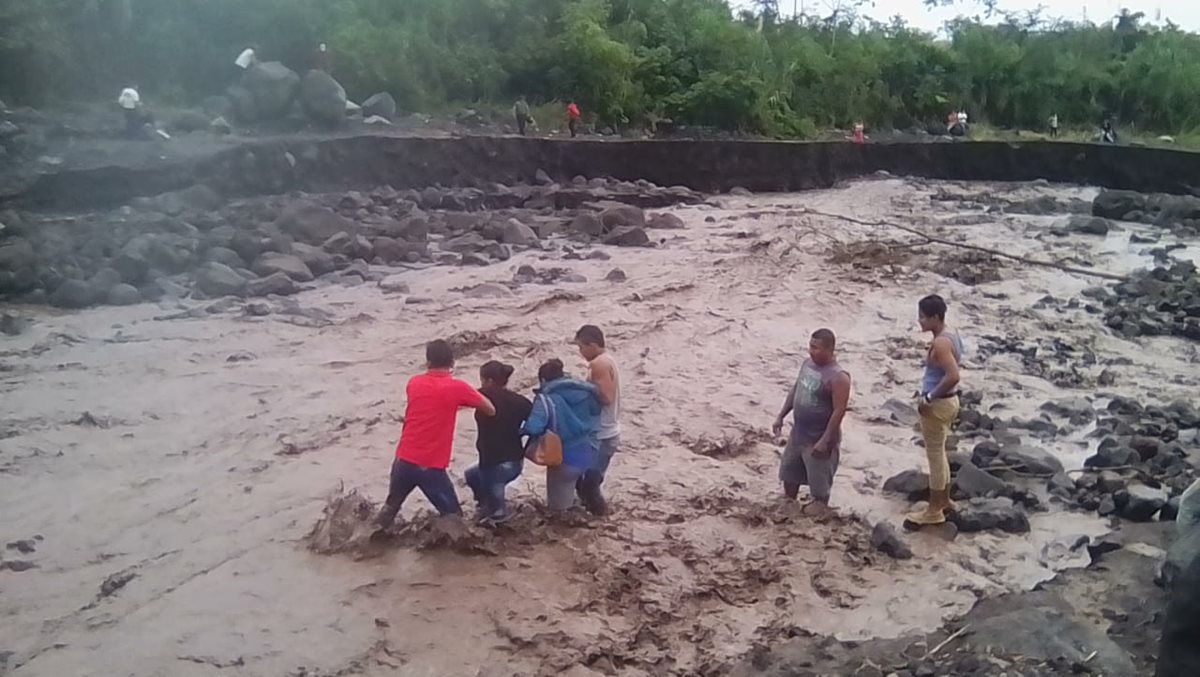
column 571, row 409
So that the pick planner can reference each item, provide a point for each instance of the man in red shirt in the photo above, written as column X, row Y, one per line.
column 423, row 453
column 572, row 118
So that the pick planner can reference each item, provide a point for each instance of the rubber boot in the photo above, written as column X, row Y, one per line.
column 936, row 512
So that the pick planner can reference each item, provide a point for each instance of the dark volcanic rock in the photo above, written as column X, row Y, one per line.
column 587, row 224
column 885, row 539
column 912, row 484
column 1087, row 225
column 1143, row 502
column 627, row 236
column 971, row 482
column 217, row 279
column 1117, row 204
column 123, row 295
column 381, row 104
column 984, row 514
column 323, row 98
column 75, row 294
column 275, row 283
column 623, row 215
column 665, row 222
column 271, row 87
column 271, row 263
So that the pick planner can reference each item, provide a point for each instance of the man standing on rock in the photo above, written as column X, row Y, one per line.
column 423, row 453
column 603, row 373
column 818, row 399
column 938, row 405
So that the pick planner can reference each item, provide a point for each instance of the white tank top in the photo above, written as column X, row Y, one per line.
column 610, row 414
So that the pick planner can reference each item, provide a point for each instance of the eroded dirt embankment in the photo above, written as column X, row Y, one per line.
column 309, row 163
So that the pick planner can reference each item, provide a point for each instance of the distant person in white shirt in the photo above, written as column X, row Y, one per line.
column 131, row 105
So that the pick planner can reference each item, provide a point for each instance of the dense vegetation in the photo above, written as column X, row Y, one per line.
column 624, row 61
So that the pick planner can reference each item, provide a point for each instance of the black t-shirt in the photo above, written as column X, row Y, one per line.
column 499, row 438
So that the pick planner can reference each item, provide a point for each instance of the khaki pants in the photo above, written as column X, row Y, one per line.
column 936, row 419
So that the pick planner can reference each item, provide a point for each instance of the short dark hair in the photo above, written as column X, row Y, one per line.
column 590, row 334
column 933, row 306
column 551, row 369
column 439, row 354
column 496, row 371
column 826, row 337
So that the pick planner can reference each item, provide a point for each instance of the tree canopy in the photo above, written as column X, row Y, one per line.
column 626, row 62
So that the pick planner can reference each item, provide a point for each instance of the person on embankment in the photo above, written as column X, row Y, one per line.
column 818, row 400
column 604, row 374
column 570, row 409
column 521, row 115
column 501, row 451
column 573, row 116
column 426, row 440
column 938, row 405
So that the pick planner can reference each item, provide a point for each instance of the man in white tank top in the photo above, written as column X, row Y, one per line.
column 603, row 372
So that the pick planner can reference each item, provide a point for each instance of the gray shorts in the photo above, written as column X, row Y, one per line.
column 799, row 466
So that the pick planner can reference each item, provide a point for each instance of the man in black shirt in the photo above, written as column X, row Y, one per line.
column 501, row 450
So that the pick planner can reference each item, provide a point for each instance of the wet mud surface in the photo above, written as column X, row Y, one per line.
column 191, row 489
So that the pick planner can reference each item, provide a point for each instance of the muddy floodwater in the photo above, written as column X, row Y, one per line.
column 169, row 471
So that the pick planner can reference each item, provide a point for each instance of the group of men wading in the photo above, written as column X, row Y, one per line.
column 582, row 417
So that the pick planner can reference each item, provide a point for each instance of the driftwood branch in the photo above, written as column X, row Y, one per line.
column 962, row 245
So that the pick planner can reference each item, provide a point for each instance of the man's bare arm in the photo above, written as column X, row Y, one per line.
column 943, row 357
column 840, row 394
column 601, row 375
column 777, row 427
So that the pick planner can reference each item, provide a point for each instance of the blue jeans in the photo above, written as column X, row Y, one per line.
column 589, row 484
column 433, row 482
column 488, row 485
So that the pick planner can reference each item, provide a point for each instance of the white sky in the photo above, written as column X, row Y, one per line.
column 1185, row 13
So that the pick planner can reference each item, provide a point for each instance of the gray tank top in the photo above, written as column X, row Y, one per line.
column 812, row 404
column 933, row 373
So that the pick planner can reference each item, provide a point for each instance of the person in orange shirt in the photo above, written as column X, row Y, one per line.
column 572, row 118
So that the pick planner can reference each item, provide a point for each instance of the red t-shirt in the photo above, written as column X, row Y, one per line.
column 434, row 399
column 573, row 111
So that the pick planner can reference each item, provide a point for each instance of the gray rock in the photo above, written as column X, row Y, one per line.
column 665, row 222
column 912, row 484
column 616, row 275
column 1112, row 454
column 971, row 482
column 622, row 216
column 13, row 325
column 1031, row 460
column 627, row 236
column 467, row 243
column 985, row 514
column 395, row 284
column 217, row 279
column 1179, row 651
column 1077, row 410
column 474, row 260
column 516, row 233
column 271, row 87
column 380, row 105
column 312, row 224
column 885, row 539
column 220, row 125
column 1046, row 634
column 1117, row 204
column 1170, row 511
column 223, row 255
column 587, row 224
column 123, row 295
column 1087, row 225
column 390, row 250
column 488, row 290
column 319, row 261
column 74, row 294
column 276, row 283
column 1144, row 502
column 376, row 120
column 271, row 263
column 740, row 192
column 258, row 308
column 323, row 98
column 1107, row 506
column 542, row 178
column 901, row 412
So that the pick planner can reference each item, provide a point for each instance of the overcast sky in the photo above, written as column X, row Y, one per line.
column 1185, row 13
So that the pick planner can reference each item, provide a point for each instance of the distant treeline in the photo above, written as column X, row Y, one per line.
column 625, row 61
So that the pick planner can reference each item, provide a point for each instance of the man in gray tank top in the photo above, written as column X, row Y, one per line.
column 938, row 405
column 603, row 373
column 818, row 402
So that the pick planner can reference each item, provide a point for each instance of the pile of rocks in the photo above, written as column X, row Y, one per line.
column 1180, row 213
column 1162, row 301
column 192, row 242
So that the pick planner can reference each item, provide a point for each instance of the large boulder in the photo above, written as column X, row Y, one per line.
column 1048, row 635
column 627, row 236
column 323, row 98
column 272, row 262
column 885, row 539
column 912, row 484
column 1143, row 503
column 985, row 514
column 1086, row 225
column 75, row 294
column 1179, row 652
column 224, row 255
column 1116, row 204
column 516, row 233
column 272, row 87
column 275, row 283
column 971, row 482
column 381, row 104
column 587, row 224
column 317, row 259
column 665, row 222
column 217, row 279
column 123, row 295
column 622, row 215
column 313, row 224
